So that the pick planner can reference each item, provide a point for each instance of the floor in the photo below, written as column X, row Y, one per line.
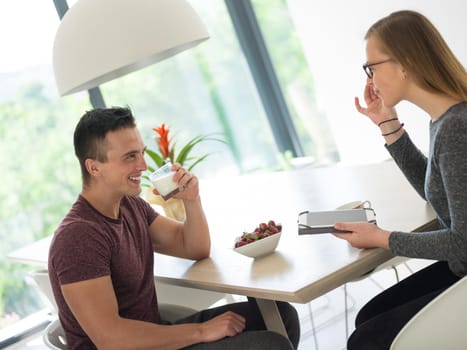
column 326, row 313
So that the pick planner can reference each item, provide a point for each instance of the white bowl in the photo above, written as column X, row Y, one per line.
column 260, row 247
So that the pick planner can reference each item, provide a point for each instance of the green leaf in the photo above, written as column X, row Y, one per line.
column 200, row 159
column 156, row 158
column 182, row 156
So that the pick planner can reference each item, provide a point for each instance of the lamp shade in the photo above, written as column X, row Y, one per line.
column 100, row 40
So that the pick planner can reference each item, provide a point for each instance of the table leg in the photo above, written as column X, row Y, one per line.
column 271, row 316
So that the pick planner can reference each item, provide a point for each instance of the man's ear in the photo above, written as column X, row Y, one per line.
column 92, row 166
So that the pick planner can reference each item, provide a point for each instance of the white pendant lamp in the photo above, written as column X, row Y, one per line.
column 100, row 40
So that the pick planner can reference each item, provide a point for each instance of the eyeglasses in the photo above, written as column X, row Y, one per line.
column 368, row 67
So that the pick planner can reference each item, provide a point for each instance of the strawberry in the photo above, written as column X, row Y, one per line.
column 240, row 243
column 273, row 229
column 263, row 230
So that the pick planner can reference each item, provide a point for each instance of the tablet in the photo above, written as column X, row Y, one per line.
column 324, row 221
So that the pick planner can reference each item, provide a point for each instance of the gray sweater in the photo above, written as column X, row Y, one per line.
column 441, row 179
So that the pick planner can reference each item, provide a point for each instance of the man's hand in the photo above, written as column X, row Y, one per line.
column 225, row 325
column 187, row 182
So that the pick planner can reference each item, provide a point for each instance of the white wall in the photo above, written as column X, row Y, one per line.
column 332, row 33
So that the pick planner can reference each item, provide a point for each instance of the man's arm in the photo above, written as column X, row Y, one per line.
column 94, row 305
column 190, row 239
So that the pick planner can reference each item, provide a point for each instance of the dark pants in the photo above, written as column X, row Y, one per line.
column 381, row 319
column 255, row 336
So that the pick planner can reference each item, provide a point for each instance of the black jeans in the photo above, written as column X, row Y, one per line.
column 255, row 336
column 381, row 319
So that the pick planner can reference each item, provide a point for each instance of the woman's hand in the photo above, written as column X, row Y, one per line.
column 375, row 110
column 363, row 235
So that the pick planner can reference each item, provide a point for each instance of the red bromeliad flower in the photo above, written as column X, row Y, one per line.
column 166, row 149
column 163, row 140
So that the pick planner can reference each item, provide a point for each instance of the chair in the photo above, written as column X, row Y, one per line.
column 166, row 294
column 439, row 325
column 41, row 279
column 54, row 336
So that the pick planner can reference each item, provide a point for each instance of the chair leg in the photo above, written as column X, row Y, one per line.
column 394, row 267
column 408, row 267
column 396, row 272
column 346, row 313
column 315, row 336
column 347, row 307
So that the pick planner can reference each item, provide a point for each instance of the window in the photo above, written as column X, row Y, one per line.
column 212, row 89
column 207, row 89
column 40, row 177
column 296, row 80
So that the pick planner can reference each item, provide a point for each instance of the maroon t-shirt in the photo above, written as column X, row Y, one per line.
column 89, row 245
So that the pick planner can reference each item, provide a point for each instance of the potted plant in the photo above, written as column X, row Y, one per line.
column 167, row 151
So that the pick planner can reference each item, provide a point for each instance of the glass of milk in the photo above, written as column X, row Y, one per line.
column 162, row 180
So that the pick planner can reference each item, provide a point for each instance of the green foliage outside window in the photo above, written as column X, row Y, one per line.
column 40, row 179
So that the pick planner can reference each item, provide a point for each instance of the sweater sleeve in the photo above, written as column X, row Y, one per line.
column 447, row 192
column 411, row 161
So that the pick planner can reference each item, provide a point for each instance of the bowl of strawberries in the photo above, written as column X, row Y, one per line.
column 261, row 241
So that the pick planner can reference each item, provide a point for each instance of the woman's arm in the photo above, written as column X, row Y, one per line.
column 408, row 157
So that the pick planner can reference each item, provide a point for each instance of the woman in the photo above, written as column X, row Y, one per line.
column 409, row 60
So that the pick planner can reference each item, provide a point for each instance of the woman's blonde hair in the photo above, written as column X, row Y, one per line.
column 412, row 40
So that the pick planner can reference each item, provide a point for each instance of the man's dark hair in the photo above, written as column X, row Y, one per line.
column 91, row 130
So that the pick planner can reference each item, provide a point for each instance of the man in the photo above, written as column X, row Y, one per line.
column 101, row 257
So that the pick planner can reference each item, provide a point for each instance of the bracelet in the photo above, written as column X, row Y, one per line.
column 387, row 120
column 393, row 132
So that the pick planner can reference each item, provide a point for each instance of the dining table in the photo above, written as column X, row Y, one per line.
column 302, row 267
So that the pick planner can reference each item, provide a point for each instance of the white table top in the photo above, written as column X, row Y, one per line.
column 302, row 267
